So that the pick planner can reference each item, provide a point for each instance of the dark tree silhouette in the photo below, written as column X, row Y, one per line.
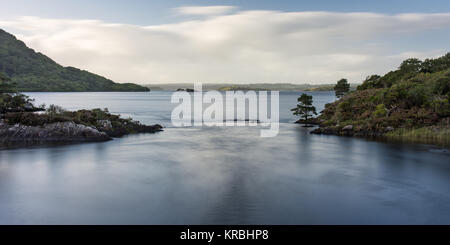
column 6, row 86
column 304, row 108
column 342, row 87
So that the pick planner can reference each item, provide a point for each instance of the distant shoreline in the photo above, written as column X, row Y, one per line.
column 244, row 87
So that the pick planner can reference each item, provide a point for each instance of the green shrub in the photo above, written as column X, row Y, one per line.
column 380, row 111
column 32, row 119
column 441, row 107
column 54, row 110
column 417, row 95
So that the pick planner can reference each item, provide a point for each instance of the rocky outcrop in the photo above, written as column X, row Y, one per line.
column 68, row 132
column 54, row 132
column 67, row 126
column 348, row 127
column 347, row 130
column 119, row 129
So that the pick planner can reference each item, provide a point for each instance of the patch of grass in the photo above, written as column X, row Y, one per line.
column 428, row 135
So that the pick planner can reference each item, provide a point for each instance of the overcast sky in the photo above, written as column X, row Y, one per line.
column 231, row 41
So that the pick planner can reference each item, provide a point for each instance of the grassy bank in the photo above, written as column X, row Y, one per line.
column 427, row 135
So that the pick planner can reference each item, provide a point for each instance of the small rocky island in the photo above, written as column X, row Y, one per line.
column 22, row 122
column 190, row 90
column 68, row 126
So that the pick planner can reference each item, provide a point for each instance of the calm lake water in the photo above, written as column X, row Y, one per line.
column 220, row 175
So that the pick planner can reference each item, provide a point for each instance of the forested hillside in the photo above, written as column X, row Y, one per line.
column 32, row 71
column 412, row 101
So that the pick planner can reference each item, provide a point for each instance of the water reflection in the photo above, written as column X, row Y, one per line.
column 223, row 175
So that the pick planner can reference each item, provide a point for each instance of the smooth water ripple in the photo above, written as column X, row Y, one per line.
column 220, row 175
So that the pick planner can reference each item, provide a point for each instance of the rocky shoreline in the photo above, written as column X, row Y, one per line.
column 65, row 132
column 64, row 127
column 349, row 130
column 53, row 132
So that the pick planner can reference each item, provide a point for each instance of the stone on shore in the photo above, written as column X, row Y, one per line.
column 348, row 127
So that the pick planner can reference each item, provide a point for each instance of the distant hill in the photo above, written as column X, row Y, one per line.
column 33, row 71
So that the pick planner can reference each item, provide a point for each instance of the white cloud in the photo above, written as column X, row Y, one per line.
column 246, row 46
column 204, row 10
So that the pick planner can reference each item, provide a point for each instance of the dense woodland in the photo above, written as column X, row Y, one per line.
column 32, row 71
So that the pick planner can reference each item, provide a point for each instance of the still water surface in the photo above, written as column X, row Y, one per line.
column 220, row 175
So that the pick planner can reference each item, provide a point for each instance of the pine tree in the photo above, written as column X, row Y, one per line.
column 342, row 87
column 304, row 108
